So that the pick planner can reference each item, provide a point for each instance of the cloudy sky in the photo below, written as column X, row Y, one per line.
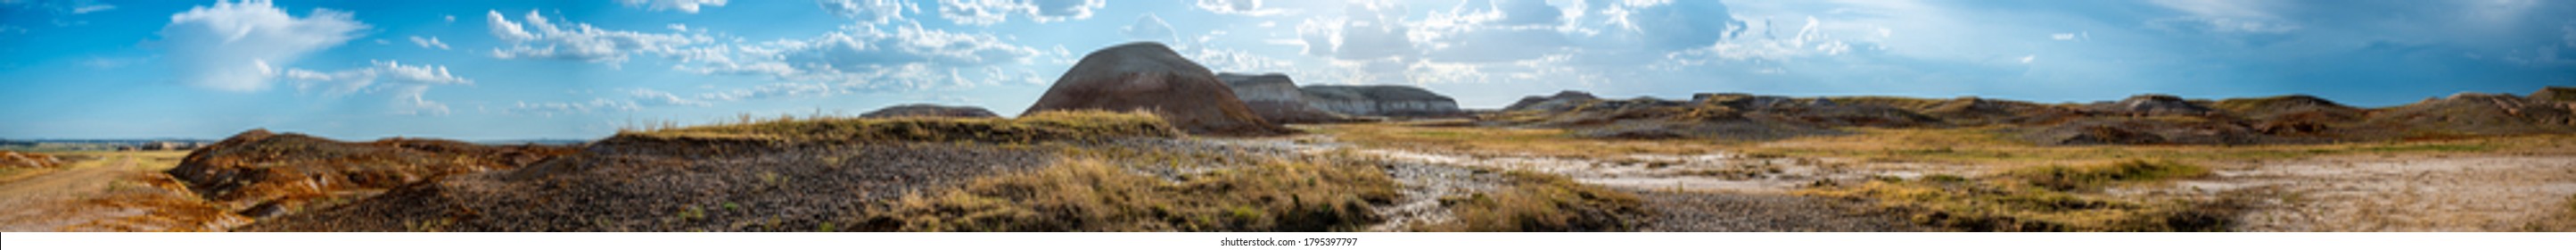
column 584, row 68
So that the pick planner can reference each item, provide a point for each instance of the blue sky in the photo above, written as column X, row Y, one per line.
column 584, row 68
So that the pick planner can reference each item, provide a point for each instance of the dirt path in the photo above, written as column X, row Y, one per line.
column 2372, row 193
column 51, row 201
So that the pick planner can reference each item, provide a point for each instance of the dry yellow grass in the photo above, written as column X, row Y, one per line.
column 2048, row 198
column 1538, row 202
column 1089, row 195
column 1056, row 125
column 1991, row 146
column 1976, row 145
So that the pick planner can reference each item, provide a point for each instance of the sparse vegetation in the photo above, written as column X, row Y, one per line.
column 2047, row 198
column 1539, row 202
column 1095, row 195
column 2089, row 177
column 1055, row 125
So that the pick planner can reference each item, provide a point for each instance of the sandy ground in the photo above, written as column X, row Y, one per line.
column 2413, row 193
column 54, row 199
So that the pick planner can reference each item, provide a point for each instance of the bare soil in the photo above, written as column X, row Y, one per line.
column 2410, row 193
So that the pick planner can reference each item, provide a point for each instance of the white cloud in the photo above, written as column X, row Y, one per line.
column 506, row 30
column 1238, row 7
column 581, row 41
column 233, row 46
column 1150, row 28
column 430, row 42
column 364, row 79
column 408, row 83
column 2026, row 59
column 2062, row 36
column 451, row 18
column 1810, row 40
column 86, row 9
column 869, row 12
column 687, row 6
column 988, row 12
column 656, row 97
column 864, row 58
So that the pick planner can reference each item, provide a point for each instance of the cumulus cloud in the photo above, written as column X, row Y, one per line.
column 235, row 46
column 988, row 12
column 1810, row 40
column 506, row 30
column 407, row 84
column 364, row 79
column 688, row 6
column 581, row 41
column 871, row 58
column 1238, row 7
column 869, row 12
column 430, row 42
column 1150, row 28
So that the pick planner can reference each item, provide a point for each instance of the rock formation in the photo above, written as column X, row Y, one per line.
column 1149, row 76
column 1277, row 98
column 1381, row 100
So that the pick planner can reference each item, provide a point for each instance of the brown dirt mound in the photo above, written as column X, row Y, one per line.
column 2554, row 94
column 1149, row 76
column 1556, row 102
column 790, row 175
column 12, row 159
column 262, row 174
column 2152, row 105
column 929, row 110
column 2147, row 131
column 2268, row 108
column 1973, row 111
column 2479, row 114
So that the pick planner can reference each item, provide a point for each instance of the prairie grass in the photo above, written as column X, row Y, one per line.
column 1091, row 195
column 2044, row 199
